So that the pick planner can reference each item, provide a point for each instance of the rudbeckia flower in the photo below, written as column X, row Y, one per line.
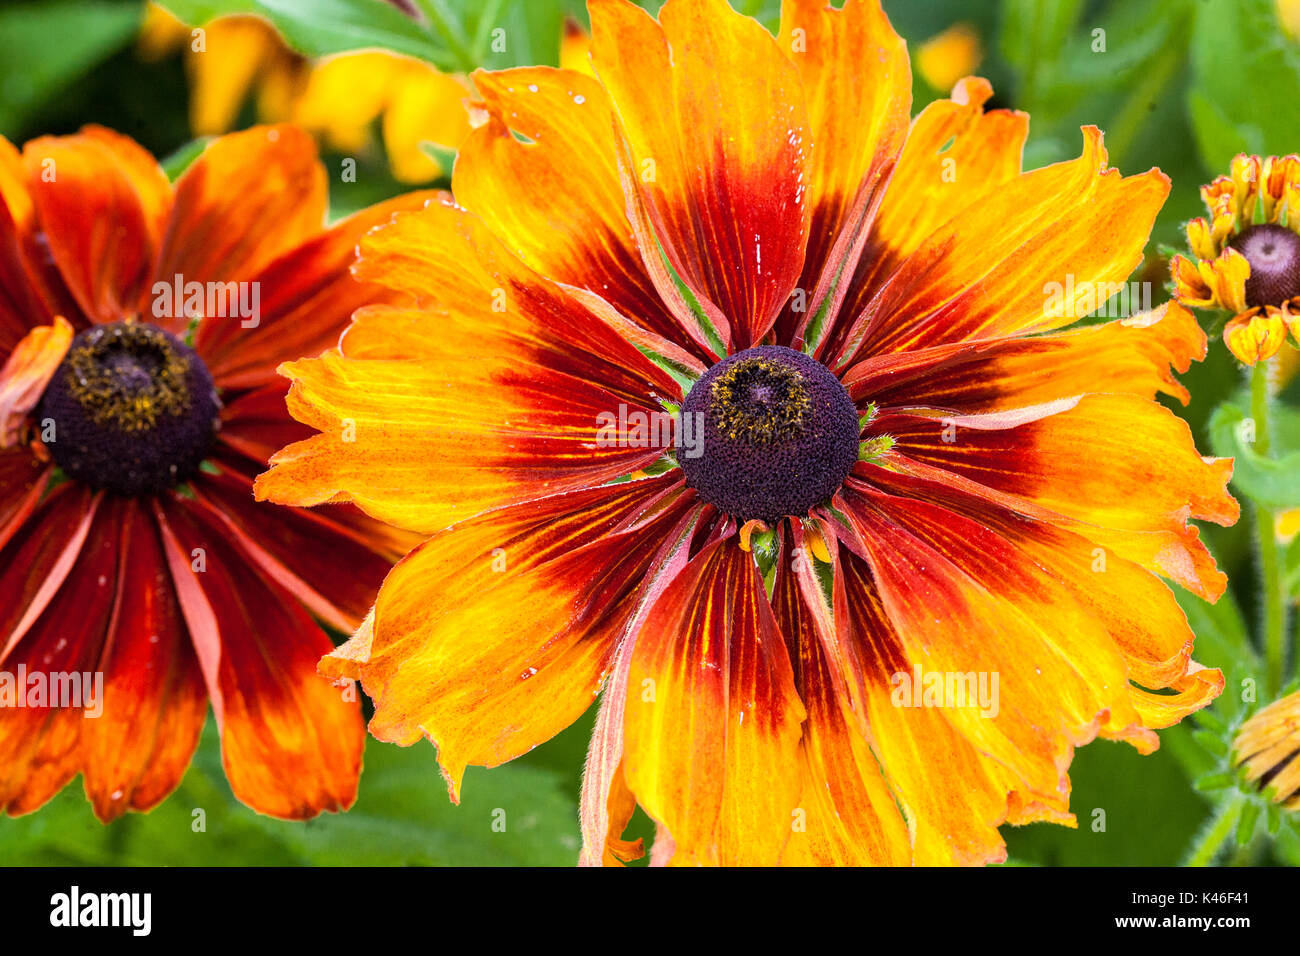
column 738, row 400
column 1248, row 255
column 1268, row 746
column 137, row 573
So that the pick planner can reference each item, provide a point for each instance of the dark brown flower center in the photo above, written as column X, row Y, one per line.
column 1274, row 256
column 131, row 410
column 780, row 434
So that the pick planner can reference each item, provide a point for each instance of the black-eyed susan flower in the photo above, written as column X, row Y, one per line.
column 734, row 393
column 135, row 566
column 1247, row 255
column 1268, row 746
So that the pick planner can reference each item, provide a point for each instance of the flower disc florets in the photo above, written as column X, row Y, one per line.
column 780, row 434
column 131, row 409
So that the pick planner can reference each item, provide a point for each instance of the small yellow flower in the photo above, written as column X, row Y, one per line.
column 946, row 58
column 1268, row 745
column 1247, row 255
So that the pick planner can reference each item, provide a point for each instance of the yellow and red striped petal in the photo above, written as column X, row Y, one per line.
column 723, row 168
column 1138, row 611
column 1150, row 480
column 954, row 796
column 495, row 634
column 290, row 742
column 582, row 239
column 1135, row 356
column 504, row 389
column 849, row 815
column 986, row 273
column 712, row 718
column 964, row 601
column 306, row 298
column 851, row 161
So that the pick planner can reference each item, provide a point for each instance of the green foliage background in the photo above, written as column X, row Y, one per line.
column 1181, row 84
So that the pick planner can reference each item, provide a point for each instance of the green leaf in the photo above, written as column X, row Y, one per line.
column 1272, row 482
column 322, row 27
column 1291, row 567
column 521, row 813
column 179, row 161
column 46, row 46
column 1246, row 81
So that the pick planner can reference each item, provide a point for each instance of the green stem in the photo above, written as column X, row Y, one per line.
column 1208, row 846
column 1270, row 568
column 1136, row 113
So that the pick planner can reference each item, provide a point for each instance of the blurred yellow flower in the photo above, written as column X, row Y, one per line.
column 338, row 99
column 1288, row 14
column 946, row 58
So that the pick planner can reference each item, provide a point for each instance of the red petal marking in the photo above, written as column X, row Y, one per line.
column 604, row 768
column 964, row 600
column 257, row 424
column 850, row 816
column 23, row 479
column 40, row 557
column 496, row 633
column 39, row 745
column 585, row 241
column 1133, row 356
column 728, row 163
column 984, row 275
column 248, row 199
column 327, row 566
column 851, row 161
column 712, row 723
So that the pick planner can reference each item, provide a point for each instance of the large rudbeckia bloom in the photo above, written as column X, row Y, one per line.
column 132, row 553
column 885, row 464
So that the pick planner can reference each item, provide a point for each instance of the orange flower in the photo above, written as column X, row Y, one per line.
column 724, row 287
column 1248, row 255
column 132, row 554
